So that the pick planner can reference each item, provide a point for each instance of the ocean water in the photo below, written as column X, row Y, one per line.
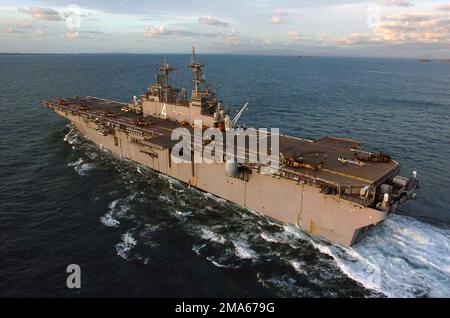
column 137, row 233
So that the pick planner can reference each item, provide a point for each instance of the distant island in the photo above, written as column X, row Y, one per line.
column 304, row 56
column 1, row 53
column 429, row 59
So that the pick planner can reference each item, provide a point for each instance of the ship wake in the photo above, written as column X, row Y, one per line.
column 403, row 257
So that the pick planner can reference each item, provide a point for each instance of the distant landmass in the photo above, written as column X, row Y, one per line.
column 34, row 53
column 423, row 59
column 430, row 59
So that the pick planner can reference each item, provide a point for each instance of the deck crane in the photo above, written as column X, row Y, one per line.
column 232, row 124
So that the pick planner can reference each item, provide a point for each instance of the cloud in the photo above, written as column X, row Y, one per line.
column 397, row 3
column 39, row 32
column 42, row 13
column 405, row 28
column 213, row 21
column 444, row 7
column 353, row 39
column 410, row 17
column 11, row 30
column 277, row 17
column 38, row 35
column 72, row 34
column 414, row 27
column 293, row 35
column 231, row 39
column 152, row 31
column 23, row 24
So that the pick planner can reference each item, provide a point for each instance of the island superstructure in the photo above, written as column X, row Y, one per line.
column 329, row 187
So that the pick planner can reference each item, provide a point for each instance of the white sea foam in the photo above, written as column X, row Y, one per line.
column 214, row 198
column 196, row 248
column 128, row 243
column 261, row 280
column 66, row 137
column 109, row 220
column 387, row 73
column 165, row 198
column 402, row 257
column 150, row 228
column 243, row 250
column 269, row 238
column 75, row 163
column 92, row 155
column 209, row 235
column 285, row 285
column 217, row 264
column 122, row 209
column 144, row 260
column 112, row 205
column 298, row 266
column 84, row 168
column 81, row 167
column 282, row 237
column 72, row 137
column 116, row 209
column 295, row 231
column 183, row 214
column 171, row 180
column 256, row 213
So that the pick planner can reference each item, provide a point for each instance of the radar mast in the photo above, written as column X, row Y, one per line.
column 165, row 70
column 198, row 74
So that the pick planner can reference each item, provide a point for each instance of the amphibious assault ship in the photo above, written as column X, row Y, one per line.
column 329, row 187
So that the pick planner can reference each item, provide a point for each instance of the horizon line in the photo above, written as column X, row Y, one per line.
column 235, row 54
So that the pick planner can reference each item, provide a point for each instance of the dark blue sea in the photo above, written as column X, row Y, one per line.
column 136, row 233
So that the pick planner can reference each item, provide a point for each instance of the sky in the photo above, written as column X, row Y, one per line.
column 376, row 28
